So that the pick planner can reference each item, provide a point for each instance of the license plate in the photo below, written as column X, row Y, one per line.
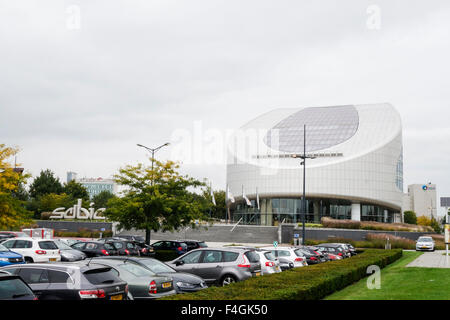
column 277, row 268
column 166, row 285
column 423, row 247
column 257, row 274
column 117, row 297
column 52, row 259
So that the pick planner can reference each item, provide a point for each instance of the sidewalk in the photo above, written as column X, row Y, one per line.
column 435, row 259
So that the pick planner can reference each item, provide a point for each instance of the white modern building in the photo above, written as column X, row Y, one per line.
column 421, row 198
column 357, row 172
column 95, row 186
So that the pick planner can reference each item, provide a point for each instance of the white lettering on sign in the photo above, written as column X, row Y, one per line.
column 78, row 212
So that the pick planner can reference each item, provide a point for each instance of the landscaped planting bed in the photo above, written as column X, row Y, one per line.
column 305, row 283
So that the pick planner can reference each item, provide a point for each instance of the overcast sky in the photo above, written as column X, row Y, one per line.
column 81, row 82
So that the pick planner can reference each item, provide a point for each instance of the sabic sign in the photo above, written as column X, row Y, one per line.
column 78, row 212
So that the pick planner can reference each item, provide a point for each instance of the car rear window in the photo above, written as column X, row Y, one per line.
column 269, row 256
column 284, row 253
column 102, row 276
column 58, row 276
column 130, row 245
column 49, row 245
column 108, row 246
column 11, row 288
column 117, row 245
column 230, row 256
column 252, row 256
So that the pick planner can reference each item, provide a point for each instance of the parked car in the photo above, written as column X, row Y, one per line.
column 13, row 234
column 34, row 250
column 8, row 257
column 70, row 242
column 12, row 287
column 269, row 263
column 72, row 281
column 144, row 249
column 123, row 247
column 425, row 243
column 333, row 249
column 142, row 282
column 351, row 248
column 182, row 282
column 68, row 253
column 219, row 265
column 194, row 244
column 311, row 256
column 292, row 254
column 172, row 245
column 285, row 264
column 95, row 248
column 328, row 256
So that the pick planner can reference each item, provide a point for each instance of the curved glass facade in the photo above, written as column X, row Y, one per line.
column 277, row 210
column 325, row 127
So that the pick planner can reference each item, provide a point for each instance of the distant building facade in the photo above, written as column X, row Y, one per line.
column 94, row 186
column 71, row 176
column 421, row 198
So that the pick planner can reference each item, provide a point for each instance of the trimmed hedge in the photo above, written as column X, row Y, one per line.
column 305, row 283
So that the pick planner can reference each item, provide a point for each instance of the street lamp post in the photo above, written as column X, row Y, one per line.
column 152, row 150
column 303, row 163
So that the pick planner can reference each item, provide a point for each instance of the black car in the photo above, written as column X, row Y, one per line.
column 179, row 247
column 12, row 287
column 68, row 253
column 311, row 256
column 139, row 241
column 182, row 282
column 72, row 281
column 95, row 248
column 125, row 247
column 194, row 244
column 333, row 249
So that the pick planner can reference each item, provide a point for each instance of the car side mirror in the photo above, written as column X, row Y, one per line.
column 179, row 263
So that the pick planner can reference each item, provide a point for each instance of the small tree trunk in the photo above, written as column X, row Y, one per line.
column 147, row 236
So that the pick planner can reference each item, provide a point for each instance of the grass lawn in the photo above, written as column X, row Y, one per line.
column 401, row 283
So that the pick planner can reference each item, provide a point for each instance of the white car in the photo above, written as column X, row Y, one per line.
column 425, row 243
column 291, row 254
column 34, row 250
column 269, row 263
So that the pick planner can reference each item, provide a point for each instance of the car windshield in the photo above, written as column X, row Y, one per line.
column 425, row 239
column 156, row 266
column 299, row 253
column 13, row 288
column 61, row 245
column 3, row 248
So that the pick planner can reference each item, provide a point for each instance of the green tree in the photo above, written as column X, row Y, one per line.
column 75, row 190
column 51, row 201
column 410, row 217
column 12, row 210
column 219, row 210
column 435, row 225
column 101, row 200
column 156, row 199
column 45, row 183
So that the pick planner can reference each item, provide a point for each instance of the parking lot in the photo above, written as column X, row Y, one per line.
column 127, row 269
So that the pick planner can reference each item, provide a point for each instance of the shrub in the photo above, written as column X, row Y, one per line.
column 306, row 283
column 343, row 224
column 373, row 225
column 410, row 217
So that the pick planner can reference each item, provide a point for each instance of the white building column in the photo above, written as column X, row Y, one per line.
column 356, row 211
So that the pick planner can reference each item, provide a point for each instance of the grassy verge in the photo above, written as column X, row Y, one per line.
column 305, row 283
column 401, row 283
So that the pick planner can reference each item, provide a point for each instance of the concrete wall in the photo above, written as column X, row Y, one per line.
column 73, row 226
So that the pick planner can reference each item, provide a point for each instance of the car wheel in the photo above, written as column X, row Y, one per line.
column 228, row 279
column 28, row 260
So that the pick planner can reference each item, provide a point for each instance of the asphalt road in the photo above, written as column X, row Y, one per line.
column 435, row 259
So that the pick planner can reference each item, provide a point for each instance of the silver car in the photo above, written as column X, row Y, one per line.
column 292, row 254
column 425, row 243
column 220, row 266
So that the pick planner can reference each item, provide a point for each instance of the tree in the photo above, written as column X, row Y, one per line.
column 410, row 217
column 156, row 199
column 424, row 221
column 75, row 190
column 51, row 201
column 12, row 210
column 219, row 210
column 45, row 183
column 101, row 200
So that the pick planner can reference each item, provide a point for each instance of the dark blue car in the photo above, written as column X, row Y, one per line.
column 8, row 257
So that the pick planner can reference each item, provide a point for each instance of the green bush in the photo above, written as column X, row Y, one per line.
column 306, row 283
